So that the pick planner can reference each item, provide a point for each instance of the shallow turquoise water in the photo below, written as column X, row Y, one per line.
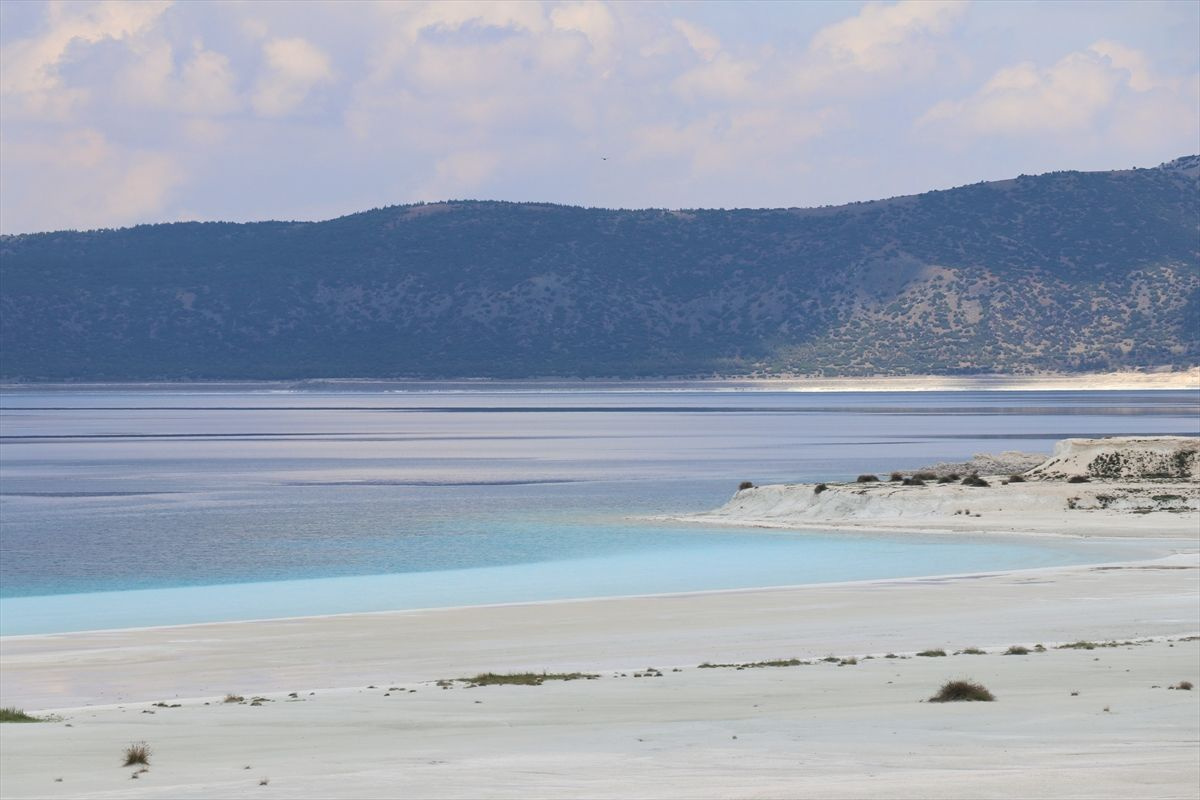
column 128, row 508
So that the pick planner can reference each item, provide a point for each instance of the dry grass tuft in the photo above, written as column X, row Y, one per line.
column 137, row 753
column 962, row 691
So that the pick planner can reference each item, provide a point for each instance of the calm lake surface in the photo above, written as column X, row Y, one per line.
column 125, row 507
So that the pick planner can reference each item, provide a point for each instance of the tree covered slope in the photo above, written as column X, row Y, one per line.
column 1063, row 271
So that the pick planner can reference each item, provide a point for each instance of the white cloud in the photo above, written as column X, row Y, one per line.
column 885, row 37
column 1068, row 96
column 593, row 20
column 703, row 42
column 294, row 67
column 29, row 68
column 80, row 179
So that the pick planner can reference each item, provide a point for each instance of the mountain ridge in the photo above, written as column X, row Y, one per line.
column 1065, row 271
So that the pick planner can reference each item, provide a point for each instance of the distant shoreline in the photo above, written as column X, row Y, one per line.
column 1110, row 381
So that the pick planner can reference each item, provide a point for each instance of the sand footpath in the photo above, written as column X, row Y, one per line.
column 356, row 729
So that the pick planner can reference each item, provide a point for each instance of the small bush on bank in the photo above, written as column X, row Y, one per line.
column 867, row 479
column 913, row 481
column 1017, row 650
column 744, row 485
column 924, row 476
column 820, row 487
column 11, row 714
column 896, row 476
column 137, row 753
column 1079, row 479
column 974, row 480
column 1016, row 479
column 932, row 653
column 962, row 691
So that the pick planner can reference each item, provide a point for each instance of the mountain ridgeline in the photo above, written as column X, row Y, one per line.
column 1066, row 271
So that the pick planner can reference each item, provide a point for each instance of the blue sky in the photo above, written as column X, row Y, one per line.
column 115, row 113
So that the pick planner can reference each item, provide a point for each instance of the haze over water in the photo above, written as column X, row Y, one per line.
column 129, row 507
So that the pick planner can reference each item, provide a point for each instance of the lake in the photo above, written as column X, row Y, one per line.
column 123, row 507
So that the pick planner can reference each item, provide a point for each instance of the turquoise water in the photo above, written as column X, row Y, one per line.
column 129, row 508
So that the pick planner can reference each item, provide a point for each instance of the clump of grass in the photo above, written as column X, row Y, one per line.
column 525, row 678
column 744, row 485
column 1017, row 650
column 1080, row 645
column 848, row 662
column 867, row 479
column 974, row 480
column 1016, row 478
column 1079, row 479
column 234, row 698
column 11, row 714
column 896, row 476
column 947, row 479
column 962, row 691
column 932, row 653
column 913, row 481
column 924, row 476
column 1184, row 685
column 264, row 781
column 820, row 487
column 971, row 651
column 137, row 753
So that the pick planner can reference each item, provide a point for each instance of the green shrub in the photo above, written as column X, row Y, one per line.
column 11, row 714
column 974, row 480
column 820, row 487
column 1079, row 479
column 867, row 479
column 744, row 485
column 1016, row 479
column 1017, row 650
column 962, row 691
column 932, row 653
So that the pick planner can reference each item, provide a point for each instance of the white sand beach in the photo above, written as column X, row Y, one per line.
column 356, row 728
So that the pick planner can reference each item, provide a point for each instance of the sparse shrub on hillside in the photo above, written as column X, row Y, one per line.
column 1016, row 478
column 974, row 480
column 962, row 691
column 867, row 479
column 924, row 476
column 744, row 485
column 1017, row 650
column 896, row 476
column 1184, row 685
column 932, row 653
column 1079, row 479
column 947, row 479
column 820, row 487
column 913, row 481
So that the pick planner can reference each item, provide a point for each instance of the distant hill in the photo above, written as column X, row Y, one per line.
column 1066, row 271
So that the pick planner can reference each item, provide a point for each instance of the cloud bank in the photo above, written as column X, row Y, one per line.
column 119, row 112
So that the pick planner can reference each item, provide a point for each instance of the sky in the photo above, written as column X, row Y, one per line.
column 117, row 113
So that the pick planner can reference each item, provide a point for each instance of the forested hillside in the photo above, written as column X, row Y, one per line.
column 1064, row 271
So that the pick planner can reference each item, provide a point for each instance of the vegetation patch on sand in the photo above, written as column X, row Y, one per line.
column 778, row 662
column 10, row 714
column 524, row 678
column 962, row 691
column 137, row 753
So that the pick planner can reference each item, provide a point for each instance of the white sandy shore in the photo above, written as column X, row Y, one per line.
column 1035, row 507
column 807, row 731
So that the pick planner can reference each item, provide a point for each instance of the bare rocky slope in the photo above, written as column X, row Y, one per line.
column 1066, row 271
